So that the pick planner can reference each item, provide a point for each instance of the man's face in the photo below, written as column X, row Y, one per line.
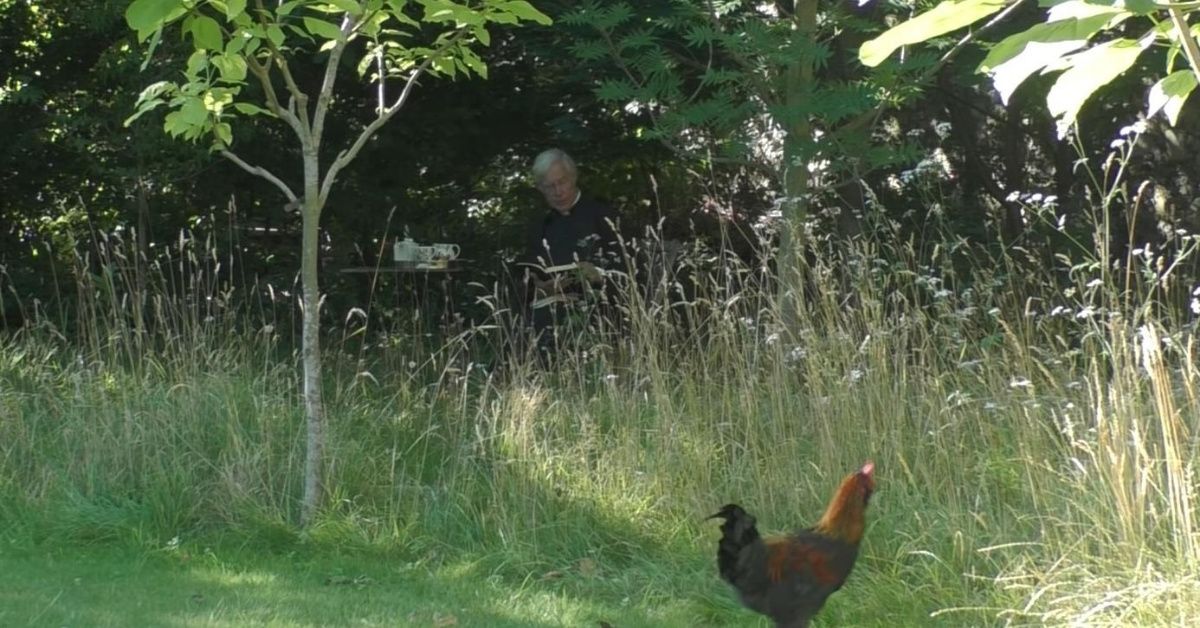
column 558, row 186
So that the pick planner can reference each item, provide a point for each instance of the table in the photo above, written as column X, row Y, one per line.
column 420, row 275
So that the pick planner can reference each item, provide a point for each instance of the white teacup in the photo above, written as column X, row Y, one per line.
column 442, row 250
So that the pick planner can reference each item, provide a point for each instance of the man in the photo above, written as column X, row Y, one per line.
column 575, row 230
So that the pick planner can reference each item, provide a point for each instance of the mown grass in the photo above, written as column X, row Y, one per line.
column 1035, row 456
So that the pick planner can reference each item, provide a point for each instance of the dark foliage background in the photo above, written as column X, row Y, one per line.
column 452, row 166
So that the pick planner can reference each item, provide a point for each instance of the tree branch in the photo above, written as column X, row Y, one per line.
column 261, row 172
column 348, row 155
column 262, row 71
column 325, row 96
column 298, row 96
column 1190, row 49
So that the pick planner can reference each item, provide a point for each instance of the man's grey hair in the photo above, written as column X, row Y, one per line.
column 547, row 158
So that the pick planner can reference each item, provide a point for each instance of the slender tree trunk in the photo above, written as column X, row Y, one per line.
column 797, row 85
column 314, row 411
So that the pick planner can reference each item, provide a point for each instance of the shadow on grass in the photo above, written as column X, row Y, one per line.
column 119, row 587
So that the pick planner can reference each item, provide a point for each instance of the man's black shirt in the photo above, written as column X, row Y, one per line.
column 577, row 236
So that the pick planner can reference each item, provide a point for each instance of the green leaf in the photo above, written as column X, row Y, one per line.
column 1090, row 70
column 234, row 8
column 1082, row 9
column 251, row 109
column 144, row 108
column 1169, row 94
column 1074, row 29
column 206, row 33
column 145, row 16
column 287, row 7
column 231, row 67
column 1141, row 7
column 322, row 29
column 349, row 6
column 154, row 91
column 237, row 42
column 472, row 61
column 216, row 99
column 275, row 34
column 1035, row 56
column 224, row 133
column 442, row 65
column 189, row 120
column 482, row 35
column 525, row 11
column 942, row 19
column 154, row 41
column 404, row 19
column 196, row 63
column 444, row 11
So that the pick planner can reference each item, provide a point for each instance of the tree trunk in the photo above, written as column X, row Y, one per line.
column 797, row 85
column 314, row 412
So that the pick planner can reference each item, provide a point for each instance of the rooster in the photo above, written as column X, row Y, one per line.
column 789, row 578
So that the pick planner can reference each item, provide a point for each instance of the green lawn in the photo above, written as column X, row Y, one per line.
column 110, row 586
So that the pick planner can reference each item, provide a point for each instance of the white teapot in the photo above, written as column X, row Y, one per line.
column 405, row 250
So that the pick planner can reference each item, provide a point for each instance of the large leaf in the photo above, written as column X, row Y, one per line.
column 1169, row 94
column 322, row 29
column 206, row 33
column 1088, row 71
column 1073, row 29
column 1034, row 57
column 524, row 11
column 234, row 8
column 942, row 19
column 147, row 16
column 349, row 6
column 1068, row 28
column 232, row 67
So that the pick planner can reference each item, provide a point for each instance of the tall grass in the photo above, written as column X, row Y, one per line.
column 1036, row 446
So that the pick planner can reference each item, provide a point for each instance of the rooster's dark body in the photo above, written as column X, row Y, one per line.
column 788, row 579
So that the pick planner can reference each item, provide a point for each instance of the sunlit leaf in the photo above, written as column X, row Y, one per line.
column 1034, row 57
column 1169, row 94
column 1088, row 71
column 524, row 11
column 1073, row 30
column 232, row 67
column 945, row 17
column 145, row 16
column 349, row 6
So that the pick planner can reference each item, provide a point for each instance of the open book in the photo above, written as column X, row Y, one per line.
column 557, row 297
column 551, row 269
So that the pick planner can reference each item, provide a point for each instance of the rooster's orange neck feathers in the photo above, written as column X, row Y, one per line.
column 845, row 518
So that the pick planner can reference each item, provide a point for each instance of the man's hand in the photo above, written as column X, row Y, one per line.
column 591, row 273
column 556, row 283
